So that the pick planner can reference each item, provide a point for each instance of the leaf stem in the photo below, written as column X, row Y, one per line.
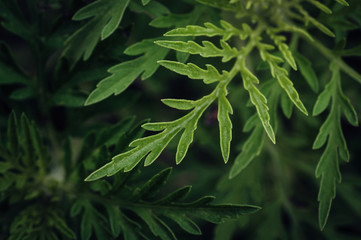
column 336, row 59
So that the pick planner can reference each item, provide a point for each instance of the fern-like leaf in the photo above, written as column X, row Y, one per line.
column 211, row 30
column 125, row 73
column 330, row 131
column 207, row 50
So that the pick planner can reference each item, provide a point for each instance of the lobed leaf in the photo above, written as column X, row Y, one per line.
column 208, row 30
column 207, row 50
column 258, row 100
column 125, row 73
column 191, row 70
column 328, row 166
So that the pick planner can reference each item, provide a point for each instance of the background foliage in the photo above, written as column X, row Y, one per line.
column 278, row 102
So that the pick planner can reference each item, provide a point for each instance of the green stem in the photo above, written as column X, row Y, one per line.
column 336, row 59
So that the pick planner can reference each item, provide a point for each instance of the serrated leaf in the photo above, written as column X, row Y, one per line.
column 208, row 30
column 220, row 213
column 191, row 70
column 125, row 73
column 328, row 166
column 225, row 124
column 307, row 71
column 258, row 100
column 287, row 85
column 106, row 16
column 250, row 149
column 207, row 50
column 152, row 145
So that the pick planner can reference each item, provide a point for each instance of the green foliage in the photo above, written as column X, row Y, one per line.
column 76, row 68
column 331, row 132
column 102, row 206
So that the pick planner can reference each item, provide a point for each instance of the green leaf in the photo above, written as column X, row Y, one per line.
column 191, row 70
column 283, row 47
column 321, row 6
column 220, row 213
column 207, row 50
column 185, row 141
column 12, row 134
column 152, row 186
column 9, row 75
column 184, row 222
column 175, row 196
column 155, row 225
column 225, row 124
column 23, row 94
column 328, row 166
column 15, row 21
column 181, row 104
column 286, row 105
column 153, row 9
column 209, row 30
column 125, row 73
column 343, row 2
column 258, row 100
column 250, row 149
column 106, row 16
column 307, row 71
column 292, row 93
column 323, row 100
